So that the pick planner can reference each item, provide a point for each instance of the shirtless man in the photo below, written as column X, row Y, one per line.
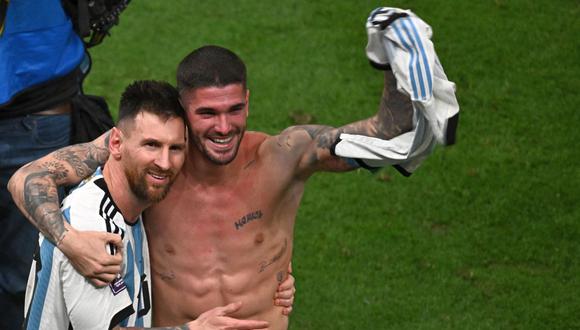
column 225, row 231
column 147, row 150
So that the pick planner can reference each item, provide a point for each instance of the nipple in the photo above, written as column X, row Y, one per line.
column 259, row 238
column 169, row 249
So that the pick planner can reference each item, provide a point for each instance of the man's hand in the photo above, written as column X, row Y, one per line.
column 87, row 252
column 284, row 296
column 218, row 319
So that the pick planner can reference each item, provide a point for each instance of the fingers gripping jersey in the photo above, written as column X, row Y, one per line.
column 58, row 297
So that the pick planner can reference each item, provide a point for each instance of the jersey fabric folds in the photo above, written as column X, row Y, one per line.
column 401, row 40
column 58, row 297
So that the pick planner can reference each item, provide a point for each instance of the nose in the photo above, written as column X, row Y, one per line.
column 162, row 160
column 222, row 125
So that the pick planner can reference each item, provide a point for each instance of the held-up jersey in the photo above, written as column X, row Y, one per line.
column 58, row 297
column 401, row 40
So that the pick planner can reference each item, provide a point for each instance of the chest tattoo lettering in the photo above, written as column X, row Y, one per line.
column 247, row 218
column 264, row 264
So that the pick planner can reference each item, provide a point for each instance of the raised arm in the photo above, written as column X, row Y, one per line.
column 394, row 117
column 34, row 188
column 404, row 131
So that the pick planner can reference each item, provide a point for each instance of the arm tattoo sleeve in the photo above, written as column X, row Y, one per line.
column 41, row 203
column 83, row 158
column 320, row 157
column 66, row 166
column 395, row 114
column 394, row 117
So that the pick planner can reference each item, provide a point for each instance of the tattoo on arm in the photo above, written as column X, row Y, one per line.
column 315, row 130
column 394, row 117
column 319, row 157
column 84, row 158
column 395, row 114
column 41, row 203
column 40, row 192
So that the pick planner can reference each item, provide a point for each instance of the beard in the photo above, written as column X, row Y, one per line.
column 211, row 155
column 143, row 190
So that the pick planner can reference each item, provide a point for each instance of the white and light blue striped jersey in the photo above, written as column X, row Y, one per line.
column 400, row 39
column 58, row 297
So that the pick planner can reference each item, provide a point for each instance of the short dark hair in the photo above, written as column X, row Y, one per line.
column 210, row 66
column 157, row 97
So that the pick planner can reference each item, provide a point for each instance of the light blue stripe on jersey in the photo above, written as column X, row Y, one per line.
column 43, row 280
column 129, row 278
column 423, row 56
column 415, row 58
column 417, row 51
column 397, row 30
column 138, row 238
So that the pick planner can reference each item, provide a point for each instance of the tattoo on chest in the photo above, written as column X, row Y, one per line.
column 280, row 276
column 264, row 264
column 166, row 275
column 248, row 218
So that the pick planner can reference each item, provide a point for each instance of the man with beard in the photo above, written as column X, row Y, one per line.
column 225, row 231
column 146, row 151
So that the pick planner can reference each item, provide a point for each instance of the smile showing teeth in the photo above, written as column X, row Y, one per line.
column 158, row 177
column 222, row 141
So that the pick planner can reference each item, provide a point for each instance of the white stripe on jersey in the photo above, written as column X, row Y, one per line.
column 57, row 296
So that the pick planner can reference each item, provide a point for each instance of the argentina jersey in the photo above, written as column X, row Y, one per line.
column 58, row 297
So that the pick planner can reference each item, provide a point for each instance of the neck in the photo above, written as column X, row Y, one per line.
column 122, row 195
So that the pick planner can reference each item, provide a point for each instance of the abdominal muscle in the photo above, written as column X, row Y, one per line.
column 195, row 271
column 186, row 297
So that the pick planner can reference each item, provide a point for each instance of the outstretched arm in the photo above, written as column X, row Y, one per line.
column 34, row 190
column 395, row 116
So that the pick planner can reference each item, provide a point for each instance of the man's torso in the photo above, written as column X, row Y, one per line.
column 213, row 244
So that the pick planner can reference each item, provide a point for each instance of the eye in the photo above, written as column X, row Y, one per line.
column 206, row 113
column 237, row 109
column 151, row 144
column 177, row 148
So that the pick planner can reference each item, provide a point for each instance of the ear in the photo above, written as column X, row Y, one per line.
column 116, row 143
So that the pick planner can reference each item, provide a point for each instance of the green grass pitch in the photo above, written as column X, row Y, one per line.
column 485, row 235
